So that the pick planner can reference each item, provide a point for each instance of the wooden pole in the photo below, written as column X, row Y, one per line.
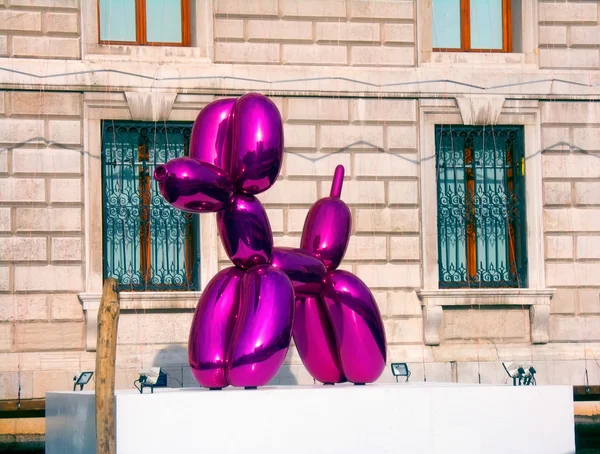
column 106, row 352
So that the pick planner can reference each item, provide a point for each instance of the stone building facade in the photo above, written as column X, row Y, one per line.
column 358, row 83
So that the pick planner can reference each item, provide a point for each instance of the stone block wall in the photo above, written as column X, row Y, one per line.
column 40, row 29
column 569, row 34
column 42, row 238
column 41, row 235
column 571, row 169
column 315, row 32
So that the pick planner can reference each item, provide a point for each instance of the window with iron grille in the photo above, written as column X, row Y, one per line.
column 148, row 245
column 481, row 206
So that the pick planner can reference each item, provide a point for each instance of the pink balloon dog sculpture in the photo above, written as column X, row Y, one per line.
column 243, row 323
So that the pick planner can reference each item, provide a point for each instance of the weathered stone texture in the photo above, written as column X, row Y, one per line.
column 568, row 12
column 24, row 249
column 65, row 307
column 67, row 249
column 557, row 193
column 6, row 330
column 61, row 22
column 48, row 219
column 22, row 190
column 31, row 27
column 390, row 275
column 569, row 329
column 16, row 307
column 405, row 248
column 404, row 331
column 246, row 53
column 43, row 103
column 31, row 46
column 317, row 109
column 46, row 161
column 16, row 385
column 154, row 328
column 486, row 325
column 563, row 301
column 559, row 247
column 249, row 8
column 48, row 336
column 49, row 278
column 65, row 190
column 315, row 32
column 5, row 220
column 279, row 30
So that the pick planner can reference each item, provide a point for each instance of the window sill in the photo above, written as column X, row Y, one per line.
column 537, row 300
column 154, row 54
column 484, row 59
column 134, row 301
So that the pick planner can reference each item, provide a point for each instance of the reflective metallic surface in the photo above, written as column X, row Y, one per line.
column 245, row 231
column 357, row 325
column 328, row 226
column 212, row 328
column 337, row 182
column 193, row 186
column 315, row 341
column 257, row 152
column 304, row 270
column 264, row 327
column 243, row 324
column 211, row 134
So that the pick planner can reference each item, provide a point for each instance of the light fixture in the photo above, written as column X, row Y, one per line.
column 522, row 374
column 81, row 380
column 400, row 370
column 153, row 378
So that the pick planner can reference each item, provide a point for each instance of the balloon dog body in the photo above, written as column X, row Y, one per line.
column 244, row 320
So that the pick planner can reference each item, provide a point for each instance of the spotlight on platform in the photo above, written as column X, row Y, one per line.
column 522, row 374
column 153, row 378
column 400, row 370
column 81, row 380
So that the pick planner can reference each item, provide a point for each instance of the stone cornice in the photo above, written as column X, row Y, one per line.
column 510, row 81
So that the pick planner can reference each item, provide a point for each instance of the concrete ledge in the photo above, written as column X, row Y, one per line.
column 538, row 301
column 134, row 301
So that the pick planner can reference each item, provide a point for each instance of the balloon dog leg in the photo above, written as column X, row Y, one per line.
column 357, row 325
column 263, row 331
column 315, row 341
column 212, row 329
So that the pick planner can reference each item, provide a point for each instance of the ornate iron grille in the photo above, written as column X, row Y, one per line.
column 148, row 245
column 481, row 206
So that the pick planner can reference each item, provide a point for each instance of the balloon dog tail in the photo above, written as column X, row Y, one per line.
column 338, row 181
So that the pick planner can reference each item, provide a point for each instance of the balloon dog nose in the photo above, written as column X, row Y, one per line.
column 160, row 173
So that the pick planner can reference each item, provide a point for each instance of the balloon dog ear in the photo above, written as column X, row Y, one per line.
column 212, row 134
column 257, row 145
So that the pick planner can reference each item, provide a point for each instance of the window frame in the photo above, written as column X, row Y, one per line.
column 536, row 297
column 140, row 27
column 192, row 250
column 516, row 243
column 465, row 30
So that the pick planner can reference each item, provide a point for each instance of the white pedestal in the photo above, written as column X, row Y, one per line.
column 401, row 418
